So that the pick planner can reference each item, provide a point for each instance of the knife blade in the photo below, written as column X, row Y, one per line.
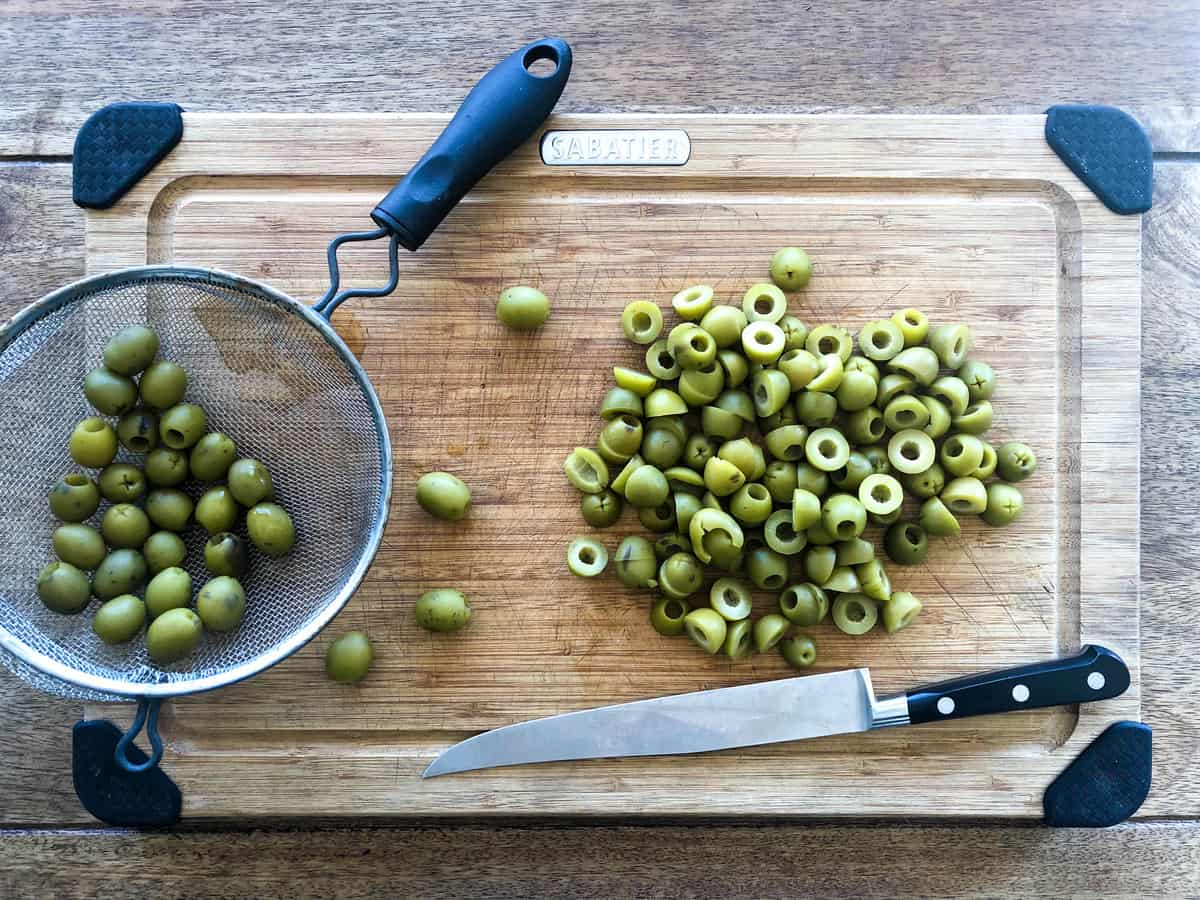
column 787, row 709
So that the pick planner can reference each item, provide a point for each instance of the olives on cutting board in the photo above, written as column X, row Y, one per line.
column 153, row 458
column 786, row 459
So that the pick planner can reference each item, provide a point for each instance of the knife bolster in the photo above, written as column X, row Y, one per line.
column 889, row 711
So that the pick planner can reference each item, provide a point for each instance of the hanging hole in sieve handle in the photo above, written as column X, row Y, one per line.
column 500, row 113
column 147, row 716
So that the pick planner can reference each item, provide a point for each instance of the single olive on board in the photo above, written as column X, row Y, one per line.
column 443, row 495
column 349, row 658
column 442, row 609
column 523, row 308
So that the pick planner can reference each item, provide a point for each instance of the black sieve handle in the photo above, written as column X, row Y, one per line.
column 502, row 111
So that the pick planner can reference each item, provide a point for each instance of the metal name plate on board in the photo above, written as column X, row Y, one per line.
column 616, row 147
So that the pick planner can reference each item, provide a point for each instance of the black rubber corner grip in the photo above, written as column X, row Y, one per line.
column 1106, row 784
column 500, row 113
column 117, row 146
column 127, row 799
column 1108, row 150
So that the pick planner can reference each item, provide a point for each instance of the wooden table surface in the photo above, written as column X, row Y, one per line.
column 61, row 59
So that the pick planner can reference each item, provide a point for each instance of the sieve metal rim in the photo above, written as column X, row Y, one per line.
column 35, row 311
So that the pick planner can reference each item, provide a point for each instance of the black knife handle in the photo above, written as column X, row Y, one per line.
column 1095, row 674
column 501, row 112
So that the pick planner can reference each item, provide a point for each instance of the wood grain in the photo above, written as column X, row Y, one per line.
column 1170, row 564
column 996, row 60
column 41, row 247
column 971, row 218
column 65, row 58
column 759, row 860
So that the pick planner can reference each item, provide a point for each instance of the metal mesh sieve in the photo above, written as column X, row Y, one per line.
column 269, row 372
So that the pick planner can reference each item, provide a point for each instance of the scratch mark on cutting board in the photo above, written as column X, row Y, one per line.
column 953, row 599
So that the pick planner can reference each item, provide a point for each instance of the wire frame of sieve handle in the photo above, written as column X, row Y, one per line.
column 333, row 298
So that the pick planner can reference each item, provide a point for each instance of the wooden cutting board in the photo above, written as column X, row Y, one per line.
column 972, row 219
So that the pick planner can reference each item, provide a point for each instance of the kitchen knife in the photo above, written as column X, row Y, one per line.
column 788, row 709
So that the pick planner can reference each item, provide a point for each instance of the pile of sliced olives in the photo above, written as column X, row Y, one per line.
column 758, row 451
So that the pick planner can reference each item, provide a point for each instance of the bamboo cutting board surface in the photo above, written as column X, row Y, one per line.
column 972, row 219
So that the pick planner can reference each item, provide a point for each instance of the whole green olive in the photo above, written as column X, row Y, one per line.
column 130, row 350
column 1015, row 461
column 122, row 483
column 800, row 650
column 212, row 456
column 163, row 550
column 124, row 525
column 225, row 554
column 790, row 268
column 80, row 545
column 443, row 496
column 221, row 604
column 166, row 467
column 169, row 508
column 93, row 443
column 523, row 308
column 74, row 497
column 163, row 384
column 138, row 431
column 121, row 572
column 169, row 589
column 250, row 482
column 182, row 425
column 271, row 529
column 601, row 510
column 349, row 658
column 173, row 635
column 110, row 393
column 120, row 619
column 443, row 609
column 63, row 588
column 216, row 510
